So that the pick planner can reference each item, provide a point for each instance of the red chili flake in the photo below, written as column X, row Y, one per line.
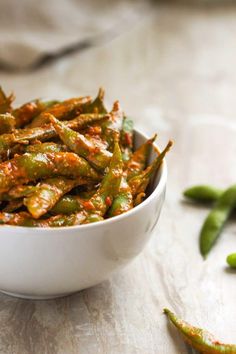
column 128, row 139
column 94, row 130
column 88, row 205
column 108, row 201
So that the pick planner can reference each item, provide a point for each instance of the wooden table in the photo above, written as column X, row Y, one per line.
column 175, row 73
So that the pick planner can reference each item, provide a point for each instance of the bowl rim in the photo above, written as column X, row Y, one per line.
column 156, row 192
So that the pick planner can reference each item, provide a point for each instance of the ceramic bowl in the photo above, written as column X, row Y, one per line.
column 42, row 263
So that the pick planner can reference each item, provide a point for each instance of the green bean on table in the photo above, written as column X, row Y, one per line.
column 203, row 193
column 231, row 260
column 216, row 220
column 70, row 162
column 198, row 338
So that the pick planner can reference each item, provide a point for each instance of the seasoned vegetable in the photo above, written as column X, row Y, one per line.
column 7, row 123
column 198, row 338
column 31, row 167
column 82, row 145
column 70, row 162
column 63, row 110
column 47, row 193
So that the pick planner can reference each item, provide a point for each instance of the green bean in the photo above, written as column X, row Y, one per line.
column 231, row 260
column 28, row 111
column 30, row 167
column 198, row 338
column 203, row 193
column 138, row 160
column 82, row 145
column 126, row 138
column 46, row 147
column 112, row 126
column 90, row 218
column 5, row 102
column 23, row 136
column 19, row 191
column 7, row 123
column 103, row 198
column 139, row 183
column 47, row 193
column 68, row 204
column 216, row 220
column 96, row 106
column 25, row 219
column 65, row 110
column 13, row 205
column 123, row 201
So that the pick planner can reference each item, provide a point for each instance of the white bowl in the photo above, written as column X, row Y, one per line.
column 42, row 263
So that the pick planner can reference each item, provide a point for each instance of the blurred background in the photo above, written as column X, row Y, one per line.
column 172, row 66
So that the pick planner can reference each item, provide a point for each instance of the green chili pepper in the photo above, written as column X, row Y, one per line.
column 203, row 193
column 139, row 183
column 138, row 160
column 198, row 338
column 82, row 145
column 216, row 219
column 7, row 123
column 126, row 138
column 5, row 102
column 30, row 167
column 123, row 201
column 103, row 198
column 47, row 193
column 25, row 219
column 65, row 110
column 231, row 260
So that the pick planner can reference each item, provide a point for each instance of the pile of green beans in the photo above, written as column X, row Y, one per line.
column 65, row 163
column 223, row 203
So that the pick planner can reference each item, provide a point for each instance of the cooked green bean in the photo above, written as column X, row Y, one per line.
column 216, row 220
column 13, row 205
column 46, row 147
column 126, row 138
column 203, row 193
column 23, row 136
column 138, row 161
column 31, row 167
column 109, row 188
column 97, row 105
column 7, row 123
column 82, row 145
column 5, row 102
column 123, row 200
column 139, row 183
column 25, row 219
column 198, row 338
column 47, row 193
column 28, row 111
column 65, row 110
column 231, row 260
column 68, row 204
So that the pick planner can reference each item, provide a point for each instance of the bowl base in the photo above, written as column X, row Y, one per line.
column 34, row 297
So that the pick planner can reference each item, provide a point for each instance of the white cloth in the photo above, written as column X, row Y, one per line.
column 30, row 29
